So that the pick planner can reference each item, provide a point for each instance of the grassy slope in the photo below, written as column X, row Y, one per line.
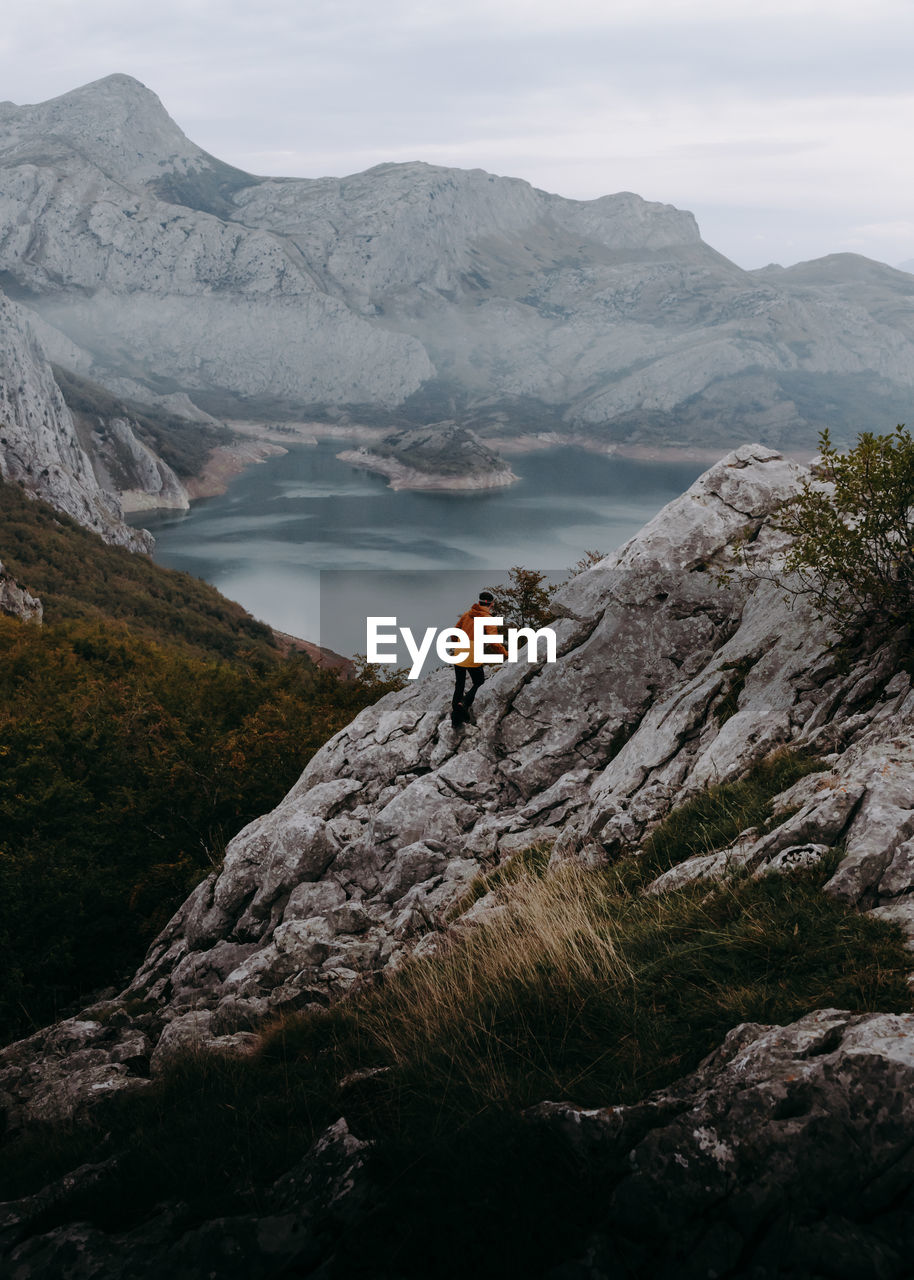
column 77, row 576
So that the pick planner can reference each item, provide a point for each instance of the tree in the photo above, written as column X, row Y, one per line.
column 523, row 601
column 853, row 535
column 526, row 599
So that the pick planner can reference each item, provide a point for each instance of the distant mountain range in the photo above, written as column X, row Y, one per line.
column 412, row 293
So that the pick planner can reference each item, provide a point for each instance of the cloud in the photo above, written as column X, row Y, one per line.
column 740, row 112
column 903, row 229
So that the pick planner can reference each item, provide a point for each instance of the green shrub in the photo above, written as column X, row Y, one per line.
column 525, row 600
column 853, row 543
column 77, row 576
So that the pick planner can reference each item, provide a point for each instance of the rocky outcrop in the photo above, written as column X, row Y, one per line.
column 39, row 448
column 413, row 292
column 744, row 1167
column 16, row 601
column 666, row 681
column 294, row 1225
column 786, row 1145
column 127, row 466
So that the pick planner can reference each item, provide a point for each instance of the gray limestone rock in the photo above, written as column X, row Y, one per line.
column 898, row 911
column 39, row 449
column 270, row 857
column 898, row 877
column 123, row 464
column 666, row 682
column 527, row 838
column 314, row 899
column 67, row 1068
column 149, row 259
column 411, row 866
column 16, row 601
column 192, row 1033
column 885, row 821
column 794, row 858
column 326, row 1191
column 705, row 866
column 753, row 1147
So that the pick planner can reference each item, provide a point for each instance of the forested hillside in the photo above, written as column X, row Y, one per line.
column 141, row 726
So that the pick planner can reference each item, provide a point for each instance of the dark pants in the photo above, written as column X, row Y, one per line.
column 477, row 675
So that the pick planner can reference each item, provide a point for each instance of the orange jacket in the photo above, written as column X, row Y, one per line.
column 466, row 624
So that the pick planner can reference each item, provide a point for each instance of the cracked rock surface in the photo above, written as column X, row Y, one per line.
column 371, row 851
column 744, row 1168
column 666, row 682
column 39, row 447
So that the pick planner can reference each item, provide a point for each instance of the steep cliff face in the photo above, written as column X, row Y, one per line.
column 423, row 290
column 128, row 467
column 39, row 448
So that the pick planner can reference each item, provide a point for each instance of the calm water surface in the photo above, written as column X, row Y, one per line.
column 265, row 541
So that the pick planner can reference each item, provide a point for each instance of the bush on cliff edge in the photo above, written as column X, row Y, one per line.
column 853, row 536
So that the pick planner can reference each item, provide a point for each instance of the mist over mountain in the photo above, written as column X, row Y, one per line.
column 413, row 293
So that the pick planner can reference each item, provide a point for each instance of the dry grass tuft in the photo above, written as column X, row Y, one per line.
column 487, row 995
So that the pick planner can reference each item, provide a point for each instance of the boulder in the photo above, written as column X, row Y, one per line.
column 745, row 1162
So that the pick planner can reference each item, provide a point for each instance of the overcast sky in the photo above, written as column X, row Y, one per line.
column 785, row 125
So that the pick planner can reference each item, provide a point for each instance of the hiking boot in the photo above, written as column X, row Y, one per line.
column 469, row 715
column 457, row 718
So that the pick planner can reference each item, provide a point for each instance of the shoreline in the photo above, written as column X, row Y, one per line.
column 227, row 461
column 518, row 442
column 256, row 441
column 329, row 659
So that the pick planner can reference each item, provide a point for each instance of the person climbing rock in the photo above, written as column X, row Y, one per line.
column 462, row 702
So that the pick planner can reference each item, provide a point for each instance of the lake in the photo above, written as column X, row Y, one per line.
column 305, row 525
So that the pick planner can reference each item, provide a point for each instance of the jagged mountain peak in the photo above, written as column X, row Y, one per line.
column 426, row 290
column 117, row 123
column 109, row 89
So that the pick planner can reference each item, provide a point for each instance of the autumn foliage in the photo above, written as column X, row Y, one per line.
column 132, row 747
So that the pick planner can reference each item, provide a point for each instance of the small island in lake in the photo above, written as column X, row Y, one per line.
column 440, row 456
